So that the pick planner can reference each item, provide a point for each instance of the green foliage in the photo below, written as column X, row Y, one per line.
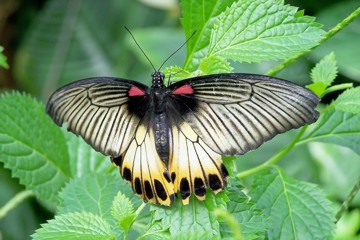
column 93, row 202
column 297, row 210
column 75, row 226
column 34, row 162
column 345, row 44
column 249, row 31
column 323, row 74
column 123, row 211
column 3, row 62
column 339, row 123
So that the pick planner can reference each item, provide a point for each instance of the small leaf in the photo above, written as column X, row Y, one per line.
column 335, row 126
column 348, row 101
column 93, row 193
column 325, row 71
column 214, row 65
column 3, row 62
column 75, row 226
column 260, row 30
column 323, row 74
column 33, row 147
column 297, row 210
column 199, row 16
column 123, row 211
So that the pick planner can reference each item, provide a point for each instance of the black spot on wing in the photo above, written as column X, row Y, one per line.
column 200, row 188
column 184, row 188
column 127, row 174
column 173, row 176
column 148, row 191
column 214, row 182
column 137, row 184
column 167, row 176
column 224, row 171
column 117, row 161
column 160, row 190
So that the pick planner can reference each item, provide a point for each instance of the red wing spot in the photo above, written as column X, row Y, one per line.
column 186, row 89
column 135, row 91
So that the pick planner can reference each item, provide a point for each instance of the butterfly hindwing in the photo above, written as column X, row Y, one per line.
column 104, row 111
column 193, row 166
column 142, row 167
column 235, row 113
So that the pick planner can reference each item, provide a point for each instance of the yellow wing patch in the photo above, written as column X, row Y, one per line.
column 142, row 167
column 193, row 165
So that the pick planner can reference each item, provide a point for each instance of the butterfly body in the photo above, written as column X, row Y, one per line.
column 170, row 139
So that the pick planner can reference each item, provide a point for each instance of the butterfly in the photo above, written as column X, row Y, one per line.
column 169, row 139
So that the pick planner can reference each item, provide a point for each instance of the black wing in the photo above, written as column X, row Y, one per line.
column 235, row 113
column 104, row 111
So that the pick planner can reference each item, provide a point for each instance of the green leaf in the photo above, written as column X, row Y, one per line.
column 335, row 126
column 323, row 74
column 260, row 30
column 194, row 217
column 214, row 65
column 253, row 223
column 199, row 16
column 176, row 73
column 297, row 210
column 75, row 226
column 84, row 159
column 345, row 44
column 122, row 210
column 33, row 147
column 92, row 193
column 3, row 62
column 340, row 167
column 348, row 101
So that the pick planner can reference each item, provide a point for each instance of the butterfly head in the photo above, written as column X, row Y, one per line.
column 158, row 79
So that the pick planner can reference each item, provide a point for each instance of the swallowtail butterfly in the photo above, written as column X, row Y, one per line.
column 169, row 139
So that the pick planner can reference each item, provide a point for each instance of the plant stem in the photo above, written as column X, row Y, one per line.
column 273, row 159
column 348, row 200
column 275, row 70
column 336, row 88
column 14, row 202
column 140, row 208
column 231, row 221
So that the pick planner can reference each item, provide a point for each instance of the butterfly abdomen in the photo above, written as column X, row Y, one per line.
column 161, row 134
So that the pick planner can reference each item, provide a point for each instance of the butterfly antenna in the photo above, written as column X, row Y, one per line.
column 140, row 48
column 177, row 50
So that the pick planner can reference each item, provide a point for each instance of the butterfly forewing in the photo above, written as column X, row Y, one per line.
column 235, row 113
column 101, row 111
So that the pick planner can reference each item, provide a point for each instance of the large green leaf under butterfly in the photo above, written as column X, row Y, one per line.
column 169, row 139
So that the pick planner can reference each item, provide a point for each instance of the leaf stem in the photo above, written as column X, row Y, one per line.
column 140, row 208
column 346, row 21
column 14, row 202
column 231, row 221
column 273, row 159
column 336, row 88
column 348, row 200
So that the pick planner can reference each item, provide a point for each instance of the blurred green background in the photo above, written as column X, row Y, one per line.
column 50, row 42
